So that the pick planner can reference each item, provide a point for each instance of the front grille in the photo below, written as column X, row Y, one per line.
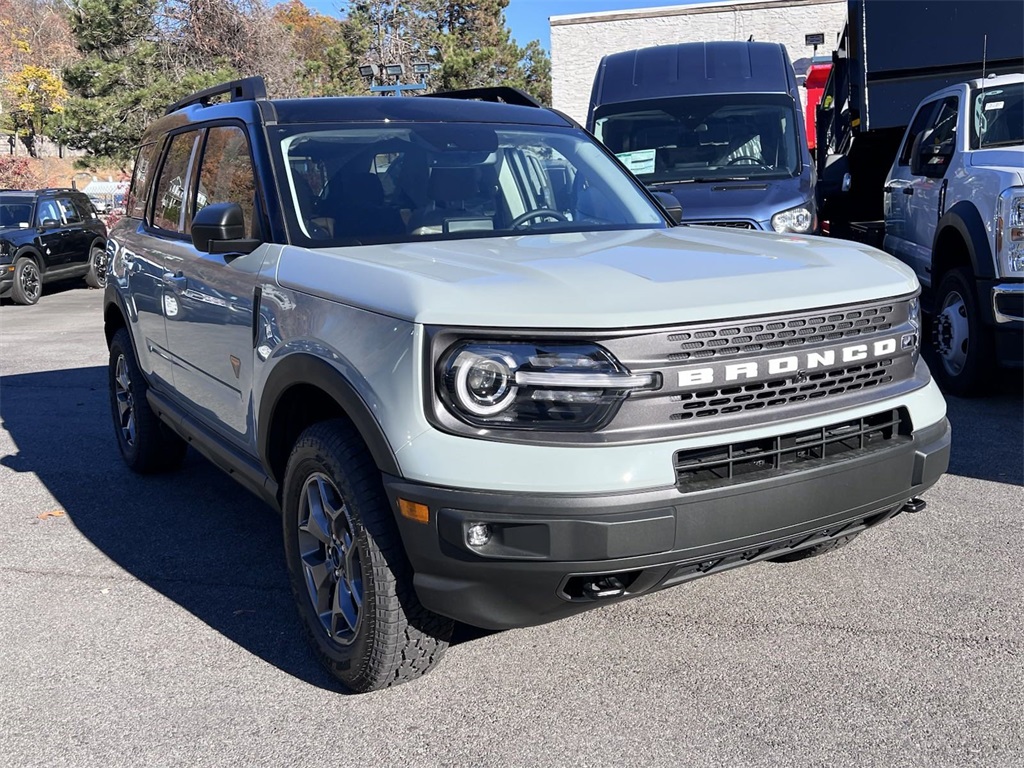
column 703, row 468
column 772, row 334
column 730, row 224
column 769, row 394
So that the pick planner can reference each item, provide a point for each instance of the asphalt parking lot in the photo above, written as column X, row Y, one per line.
column 148, row 621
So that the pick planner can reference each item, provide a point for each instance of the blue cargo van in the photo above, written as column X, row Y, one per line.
column 718, row 125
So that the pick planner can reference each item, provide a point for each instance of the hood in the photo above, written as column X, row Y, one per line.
column 754, row 200
column 1007, row 159
column 597, row 280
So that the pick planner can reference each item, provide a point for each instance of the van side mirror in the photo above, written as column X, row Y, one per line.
column 671, row 205
column 220, row 228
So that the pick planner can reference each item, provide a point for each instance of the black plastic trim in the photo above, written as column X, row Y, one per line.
column 519, row 578
column 306, row 369
column 965, row 219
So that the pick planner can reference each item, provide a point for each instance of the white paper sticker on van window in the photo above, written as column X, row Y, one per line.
column 993, row 105
column 640, row 161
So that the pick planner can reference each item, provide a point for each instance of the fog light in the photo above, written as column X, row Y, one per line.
column 478, row 534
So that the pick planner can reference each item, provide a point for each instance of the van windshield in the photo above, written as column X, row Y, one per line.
column 703, row 138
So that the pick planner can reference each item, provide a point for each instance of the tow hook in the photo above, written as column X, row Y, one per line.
column 604, row 588
column 916, row 504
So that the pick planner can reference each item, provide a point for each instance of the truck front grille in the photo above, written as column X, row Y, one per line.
column 703, row 468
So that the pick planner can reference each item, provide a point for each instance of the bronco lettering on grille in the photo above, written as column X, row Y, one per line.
column 785, row 365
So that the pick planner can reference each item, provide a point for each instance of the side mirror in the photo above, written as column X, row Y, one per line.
column 220, row 228
column 671, row 205
column 49, row 223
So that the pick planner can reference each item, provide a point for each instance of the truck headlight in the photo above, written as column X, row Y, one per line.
column 1010, row 233
column 799, row 219
column 558, row 385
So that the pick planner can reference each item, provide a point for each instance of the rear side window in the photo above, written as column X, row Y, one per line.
column 169, row 197
column 226, row 174
column 138, row 192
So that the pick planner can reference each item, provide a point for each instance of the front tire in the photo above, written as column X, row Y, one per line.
column 147, row 445
column 349, row 573
column 28, row 282
column 964, row 347
column 96, row 277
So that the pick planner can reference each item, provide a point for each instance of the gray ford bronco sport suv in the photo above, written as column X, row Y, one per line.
column 481, row 373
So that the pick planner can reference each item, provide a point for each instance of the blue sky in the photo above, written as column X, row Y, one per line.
column 528, row 19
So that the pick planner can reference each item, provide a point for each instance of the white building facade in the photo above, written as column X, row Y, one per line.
column 578, row 41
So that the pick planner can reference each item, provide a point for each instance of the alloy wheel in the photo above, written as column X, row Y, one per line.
column 330, row 558
column 125, row 401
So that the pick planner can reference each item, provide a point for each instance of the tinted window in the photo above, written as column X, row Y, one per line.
column 997, row 119
column 15, row 211
column 920, row 121
column 48, row 211
column 226, row 174
column 135, row 203
column 171, row 188
column 68, row 211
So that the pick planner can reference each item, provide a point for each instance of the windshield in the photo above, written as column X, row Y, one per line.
column 703, row 138
column 15, row 210
column 998, row 117
column 357, row 184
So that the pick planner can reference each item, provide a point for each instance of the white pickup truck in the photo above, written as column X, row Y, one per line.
column 954, row 211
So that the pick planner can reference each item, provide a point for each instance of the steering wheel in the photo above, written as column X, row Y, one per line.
column 745, row 159
column 540, row 213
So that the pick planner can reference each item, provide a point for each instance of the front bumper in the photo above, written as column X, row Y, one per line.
column 547, row 547
column 1002, row 303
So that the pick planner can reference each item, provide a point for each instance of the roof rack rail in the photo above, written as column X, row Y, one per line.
column 246, row 89
column 501, row 94
column 56, row 189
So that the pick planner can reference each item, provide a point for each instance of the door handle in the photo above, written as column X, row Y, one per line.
column 908, row 190
column 888, row 188
column 176, row 282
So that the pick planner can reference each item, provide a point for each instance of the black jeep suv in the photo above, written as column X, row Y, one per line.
column 47, row 235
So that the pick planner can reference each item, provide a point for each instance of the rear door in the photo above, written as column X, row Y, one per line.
column 76, row 238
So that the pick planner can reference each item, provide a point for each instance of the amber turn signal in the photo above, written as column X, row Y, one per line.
column 418, row 512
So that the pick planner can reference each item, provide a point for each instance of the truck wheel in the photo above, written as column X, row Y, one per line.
column 349, row 574
column 28, row 283
column 146, row 443
column 820, row 549
column 96, row 277
column 964, row 347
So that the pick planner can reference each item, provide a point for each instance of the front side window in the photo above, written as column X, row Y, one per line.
column 361, row 184
column 226, row 174
column 171, row 188
column 921, row 120
column 997, row 119
column 703, row 138
column 68, row 211
column 48, row 214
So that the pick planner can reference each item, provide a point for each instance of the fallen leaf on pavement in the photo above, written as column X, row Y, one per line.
column 51, row 513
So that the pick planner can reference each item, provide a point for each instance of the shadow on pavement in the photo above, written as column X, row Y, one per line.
column 205, row 543
column 988, row 433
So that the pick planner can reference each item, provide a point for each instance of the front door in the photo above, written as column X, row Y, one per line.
column 210, row 332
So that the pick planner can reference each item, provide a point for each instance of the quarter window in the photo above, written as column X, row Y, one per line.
column 171, row 188
column 137, row 192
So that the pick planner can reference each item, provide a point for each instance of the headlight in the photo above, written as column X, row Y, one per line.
column 1010, row 233
column 513, row 385
column 799, row 219
column 5, row 248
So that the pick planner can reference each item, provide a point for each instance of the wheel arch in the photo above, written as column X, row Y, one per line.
column 114, row 319
column 303, row 390
column 30, row 251
column 961, row 240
